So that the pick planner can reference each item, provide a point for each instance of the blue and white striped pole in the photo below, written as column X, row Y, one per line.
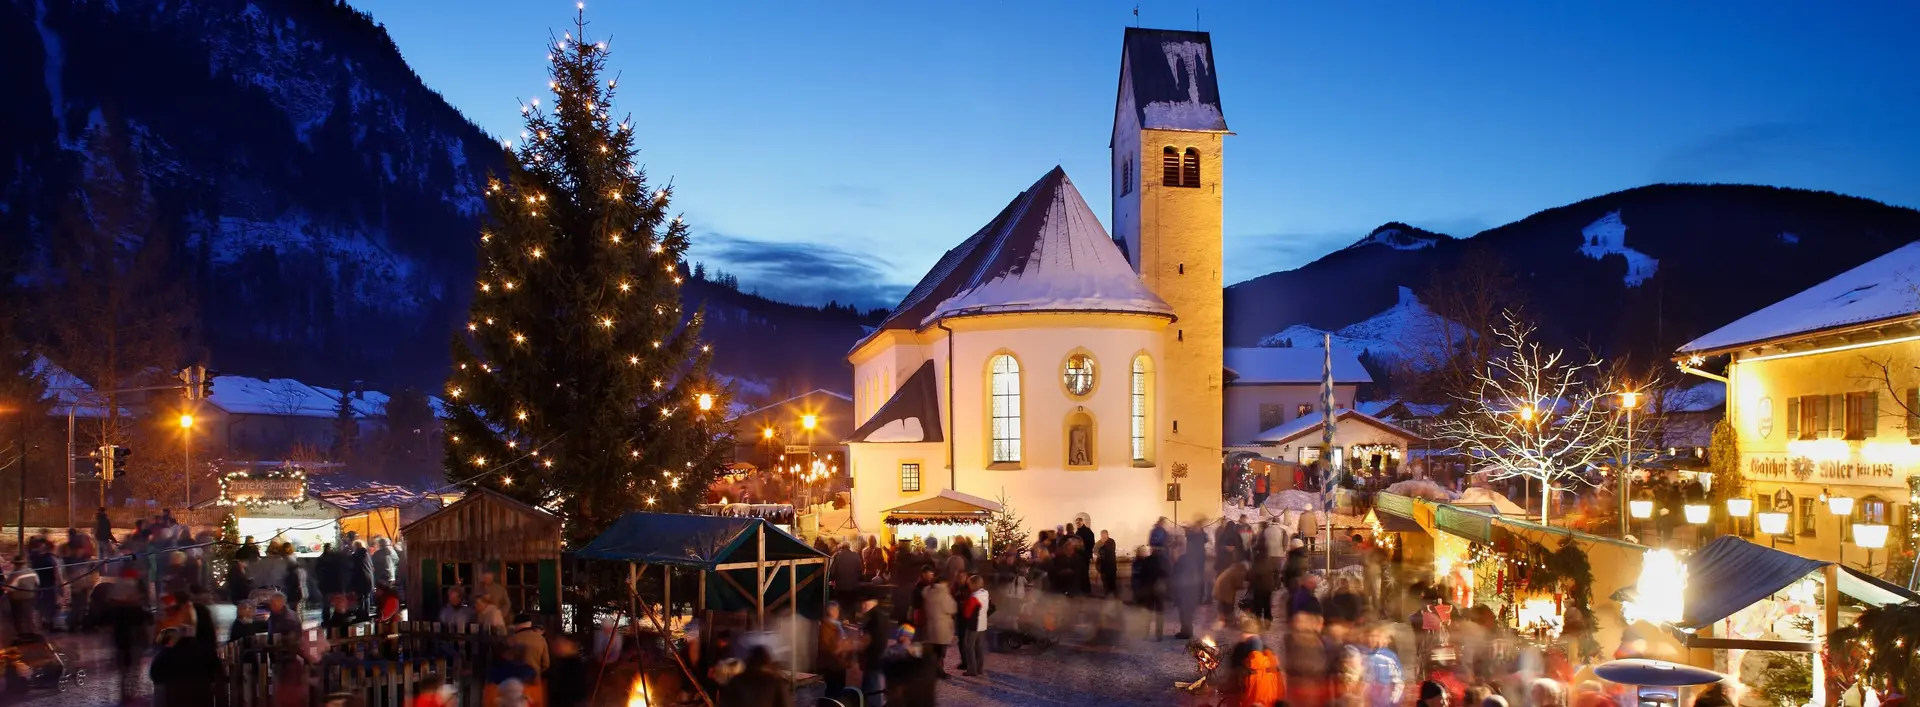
column 1329, row 481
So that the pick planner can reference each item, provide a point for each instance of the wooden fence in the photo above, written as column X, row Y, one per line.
column 383, row 668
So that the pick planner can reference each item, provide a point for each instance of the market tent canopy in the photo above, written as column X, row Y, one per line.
column 1393, row 523
column 1730, row 574
column 946, row 504
column 699, row 542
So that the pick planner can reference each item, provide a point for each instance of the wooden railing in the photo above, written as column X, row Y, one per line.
column 381, row 665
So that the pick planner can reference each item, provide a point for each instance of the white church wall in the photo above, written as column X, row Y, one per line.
column 1243, row 405
column 877, row 478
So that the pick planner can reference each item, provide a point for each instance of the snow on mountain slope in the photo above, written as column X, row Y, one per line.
column 1608, row 236
column 1389, row 334
column 1395, row 238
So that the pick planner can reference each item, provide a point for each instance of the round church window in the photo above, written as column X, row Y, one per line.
column 1079, row 374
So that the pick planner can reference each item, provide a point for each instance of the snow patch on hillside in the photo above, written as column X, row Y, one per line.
column 1608, row 236
column 55, row 64
column 361, row 265
column 1394, row 238
column 1393, row 333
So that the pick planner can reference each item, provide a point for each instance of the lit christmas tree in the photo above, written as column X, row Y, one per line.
column 577, row 385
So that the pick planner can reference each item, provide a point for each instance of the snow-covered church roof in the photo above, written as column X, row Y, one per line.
column 1174, row 87
column 1880, row 289
column 1044, row 252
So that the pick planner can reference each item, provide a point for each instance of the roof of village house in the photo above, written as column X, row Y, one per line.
column 1880, row 289
column 1174, row 87
column 1310, row 425
column 1044, row 252
column 911, row 415
column 1254, row 366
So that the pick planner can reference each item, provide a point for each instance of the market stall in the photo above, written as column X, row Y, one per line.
column 943, row 517
column 485, row 532
column 275, row 505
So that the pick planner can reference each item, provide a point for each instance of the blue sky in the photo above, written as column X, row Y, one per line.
column 834, row 150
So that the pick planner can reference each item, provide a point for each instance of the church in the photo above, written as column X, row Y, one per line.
column 1047, row 364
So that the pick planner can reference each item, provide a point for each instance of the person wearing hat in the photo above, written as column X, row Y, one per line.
column 534, row 643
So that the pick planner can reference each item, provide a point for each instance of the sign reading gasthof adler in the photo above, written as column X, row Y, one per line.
column 1802, row 469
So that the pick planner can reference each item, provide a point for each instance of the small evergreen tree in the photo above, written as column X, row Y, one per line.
column 1004, row 528
column 578, row 386
column 346, row 428
column 1723, row 461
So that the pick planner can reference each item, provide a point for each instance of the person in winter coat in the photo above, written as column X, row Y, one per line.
column 569, row 680
column 1380, row 672
column 1308, row 529
column 386, row 561
column 1149, row 572
column 1226, row 591
column 846, row 570
column 360, row 579
column 938, row 609
column 973, row 627
column 331, row 571
column 1106, row 560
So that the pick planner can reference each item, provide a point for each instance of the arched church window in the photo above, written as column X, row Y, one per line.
column 1170, row 167
column 1137, row 408
column 1190, row 169
column 1004, row 387
column 1078, row 375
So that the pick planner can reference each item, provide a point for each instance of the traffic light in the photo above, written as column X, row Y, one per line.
column 109, row 460
column 196, row 382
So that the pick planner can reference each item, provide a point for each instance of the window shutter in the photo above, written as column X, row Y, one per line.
column 1170, row 167
column 1913, row 412
column 1837, row 407
column 1793, row 418
column 1190, row 171
column 1870, row 413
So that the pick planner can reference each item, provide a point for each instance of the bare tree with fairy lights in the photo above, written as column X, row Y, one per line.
column 578, row 384
column 1534, row 414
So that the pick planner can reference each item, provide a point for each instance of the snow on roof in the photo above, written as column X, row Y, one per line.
column 67, row 392
column 280, row 396
column 911, row 414
column 1174, row 87
column 1045, row 252
column 1375, row 407
column 367, row 403
column 1882, row 288
column 1300, row 426
column 1293, row 365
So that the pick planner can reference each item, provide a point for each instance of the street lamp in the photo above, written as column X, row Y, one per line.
column 1871, row 536
column 1640, row 508
column 1773, row 523
column 705, row 401
column 1628, row 401
column 1697, row 513
column 186, row 452
column 1841, row 506
column 1739, row 507
column 808, row 421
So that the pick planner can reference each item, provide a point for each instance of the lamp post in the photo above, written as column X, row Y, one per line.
column 1773, row 523
column 1628, row 401
column 1871, row 536
column 1841, row 506
column 186, row 452
column 1640, row 509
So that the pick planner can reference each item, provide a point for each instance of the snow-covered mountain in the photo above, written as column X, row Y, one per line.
column 319, row 198
column 1387, row 335
column 1636, row 272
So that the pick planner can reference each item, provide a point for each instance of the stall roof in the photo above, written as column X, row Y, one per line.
column 1730, row 574
column 946, row 503
column 701, row 542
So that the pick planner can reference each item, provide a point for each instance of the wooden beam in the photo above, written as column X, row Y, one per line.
column 750, row 565
column 1752, row 644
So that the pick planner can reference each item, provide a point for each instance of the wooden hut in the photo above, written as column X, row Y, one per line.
column 485, row 531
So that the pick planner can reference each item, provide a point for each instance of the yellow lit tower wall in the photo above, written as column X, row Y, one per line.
column 1172, row 236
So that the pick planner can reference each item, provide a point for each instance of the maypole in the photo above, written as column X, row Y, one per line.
column 1328, row 480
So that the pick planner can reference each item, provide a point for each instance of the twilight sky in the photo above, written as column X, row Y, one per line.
column 834, row 150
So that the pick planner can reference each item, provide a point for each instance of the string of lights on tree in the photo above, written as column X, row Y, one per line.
column 576, row 326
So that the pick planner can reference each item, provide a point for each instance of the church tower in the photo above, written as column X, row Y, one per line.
column 1168, row 131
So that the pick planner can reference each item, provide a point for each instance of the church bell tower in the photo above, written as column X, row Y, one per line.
column 1168, row 130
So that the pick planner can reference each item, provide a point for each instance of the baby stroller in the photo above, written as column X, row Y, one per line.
column 33, row 662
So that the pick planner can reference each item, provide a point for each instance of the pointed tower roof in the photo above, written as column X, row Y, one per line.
column 1173, row 84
